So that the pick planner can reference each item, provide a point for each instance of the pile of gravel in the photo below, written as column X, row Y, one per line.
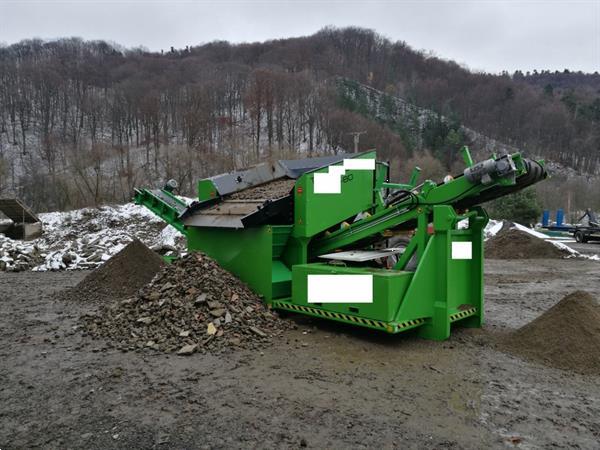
column 192, row 305
column 566, row 336
column 120, row 277
column 272, row 190
column 516, row 244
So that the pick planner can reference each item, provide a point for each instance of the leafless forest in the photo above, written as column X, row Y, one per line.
column 83, row 122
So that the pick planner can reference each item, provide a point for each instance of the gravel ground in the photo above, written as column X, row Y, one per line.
column 320, row 386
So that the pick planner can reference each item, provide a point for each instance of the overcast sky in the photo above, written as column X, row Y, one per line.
column 483, row 35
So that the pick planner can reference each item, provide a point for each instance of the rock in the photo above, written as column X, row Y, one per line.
column 228, row 317
column 217, row 322
column 145, row 320
column 184, row 333
column 214, row 305
column 217, row 312
column 200, row 299
column 211, row 329
column 258, row 331
column 187, row 349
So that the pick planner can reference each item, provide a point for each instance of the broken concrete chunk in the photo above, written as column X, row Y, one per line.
column 217, row 312
column 211, row 329
column 187, row 349
column 214, row 305
column 258, row 331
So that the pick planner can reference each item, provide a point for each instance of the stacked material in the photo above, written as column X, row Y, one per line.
column 566, row 336
column 86, row 238
column 191, row 305
column 516, row 244
column 120, row 277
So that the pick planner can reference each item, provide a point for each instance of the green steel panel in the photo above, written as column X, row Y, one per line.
column 246, row 252
column 206, row 190
column 281, row 278
column 314, row 213
column 249, row 254
column 388, row 290
column 281, row 234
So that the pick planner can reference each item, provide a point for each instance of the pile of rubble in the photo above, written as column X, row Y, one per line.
column 192, row 305
column 86, row 238
column 16, row 257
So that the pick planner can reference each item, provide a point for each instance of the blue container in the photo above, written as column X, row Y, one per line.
column 560, row 217
column 545, row 218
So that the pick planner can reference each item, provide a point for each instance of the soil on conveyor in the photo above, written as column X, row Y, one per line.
column 120, row 277
column 192, row 305
column 516, row 244
column 567, row 336
column 273, row 190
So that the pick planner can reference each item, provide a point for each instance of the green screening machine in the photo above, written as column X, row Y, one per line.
column 333, row 238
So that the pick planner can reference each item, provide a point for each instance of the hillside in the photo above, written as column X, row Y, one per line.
column 84, row 122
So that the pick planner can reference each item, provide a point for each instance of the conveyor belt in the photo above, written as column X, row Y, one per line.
column 535, row 172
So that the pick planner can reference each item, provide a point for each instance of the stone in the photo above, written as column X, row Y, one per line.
column 228, row 318
column 200, row 299
column 184, row 333
column 258, row 331
column 187, row 349
column 211, row 329
column 214, row 305
column 145, row 320
column 217, row 312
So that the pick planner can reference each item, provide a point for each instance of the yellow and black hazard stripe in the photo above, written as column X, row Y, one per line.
column 386, row 326
column 462, row 314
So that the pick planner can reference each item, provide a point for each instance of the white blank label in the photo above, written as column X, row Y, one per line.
column 340, row 289
column 462, row 250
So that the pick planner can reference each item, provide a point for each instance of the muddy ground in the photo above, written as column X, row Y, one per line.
column 323, row 386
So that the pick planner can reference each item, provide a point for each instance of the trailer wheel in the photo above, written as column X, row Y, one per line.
column 580, row 237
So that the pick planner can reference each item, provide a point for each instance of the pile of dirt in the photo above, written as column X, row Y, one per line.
column 566, row 336
column 120, row 277
column 192, row 305
column 516, row 244
column 272, row 190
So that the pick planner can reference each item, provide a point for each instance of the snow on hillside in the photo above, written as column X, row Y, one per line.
column 85, row 238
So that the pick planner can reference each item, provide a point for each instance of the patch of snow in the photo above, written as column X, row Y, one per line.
column 537, row 234
column 492, row 228
column 85, row 238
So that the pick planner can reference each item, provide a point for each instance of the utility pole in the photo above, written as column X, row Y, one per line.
column 356, row 135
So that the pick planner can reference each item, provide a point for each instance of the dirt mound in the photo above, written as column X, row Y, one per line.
column 566, row 336
column 121, row 276
column 191, row 305
column 516, row 244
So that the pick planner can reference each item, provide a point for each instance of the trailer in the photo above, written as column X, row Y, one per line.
column 313, row 237
column 581, row 233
